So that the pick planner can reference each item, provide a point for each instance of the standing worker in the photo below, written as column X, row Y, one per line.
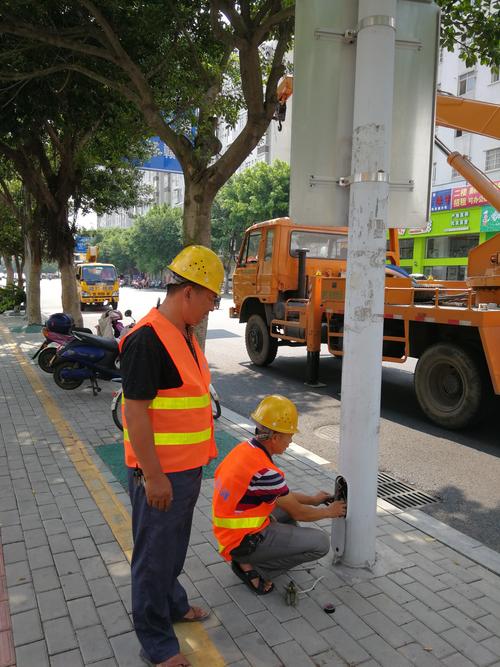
column 254, row 512
column 168, row 436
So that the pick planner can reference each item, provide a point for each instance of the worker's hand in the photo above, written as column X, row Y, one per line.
column 159, row 492
column 320, row 497
column 337, row 509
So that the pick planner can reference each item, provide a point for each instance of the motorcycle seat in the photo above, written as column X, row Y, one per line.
column 97, row 341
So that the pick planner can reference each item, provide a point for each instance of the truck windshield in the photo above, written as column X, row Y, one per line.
column 321, row 245
column 99, row 274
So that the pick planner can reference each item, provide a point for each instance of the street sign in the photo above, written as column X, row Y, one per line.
column 81, row 243
column 163, row 160
column 324, row 74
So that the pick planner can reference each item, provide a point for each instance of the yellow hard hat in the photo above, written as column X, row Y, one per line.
column 277, row 413
column 199, row 265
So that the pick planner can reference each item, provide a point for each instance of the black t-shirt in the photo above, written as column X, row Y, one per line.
column 146, row 366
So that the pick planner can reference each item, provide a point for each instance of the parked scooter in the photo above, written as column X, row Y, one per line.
column 91, row 357
column 86, row 357
column 110, row 324
column 57, row 332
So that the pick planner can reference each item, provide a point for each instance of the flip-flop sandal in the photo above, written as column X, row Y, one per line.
column 175, row 661
column 203, row 614
column 246, row 578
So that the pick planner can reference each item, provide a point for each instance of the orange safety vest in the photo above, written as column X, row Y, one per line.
column 232, row 478
column 181, row 418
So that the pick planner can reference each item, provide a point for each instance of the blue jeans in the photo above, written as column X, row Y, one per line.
column 161, row 540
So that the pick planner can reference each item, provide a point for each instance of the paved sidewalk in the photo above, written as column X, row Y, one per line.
column 433, row 597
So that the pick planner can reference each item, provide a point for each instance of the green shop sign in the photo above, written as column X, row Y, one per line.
column 444, row 223
column 490, row 219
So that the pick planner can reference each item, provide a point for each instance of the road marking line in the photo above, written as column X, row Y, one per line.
column 194, row 641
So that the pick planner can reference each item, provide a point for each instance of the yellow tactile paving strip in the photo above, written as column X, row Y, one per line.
column 193, row 638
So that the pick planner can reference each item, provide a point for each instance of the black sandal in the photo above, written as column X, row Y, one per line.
column 246, row 578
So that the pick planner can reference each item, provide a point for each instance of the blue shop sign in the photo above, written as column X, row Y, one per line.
column 441, row 200
column 81, row 243
column 163, row 160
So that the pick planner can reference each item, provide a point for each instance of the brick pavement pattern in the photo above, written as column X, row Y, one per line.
column 432, row 598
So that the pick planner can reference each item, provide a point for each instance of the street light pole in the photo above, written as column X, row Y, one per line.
column 364, row 308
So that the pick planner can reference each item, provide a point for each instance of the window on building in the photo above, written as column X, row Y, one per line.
column 455, row 175
column 492, row 159
column 458, row 133
column 466, row 83
column 446, row 272
column 406, row 248
column 495, row 75
column 434, row 167
column 450, row 246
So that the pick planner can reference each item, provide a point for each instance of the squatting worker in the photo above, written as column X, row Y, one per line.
column 168, row 436
column 254, row 512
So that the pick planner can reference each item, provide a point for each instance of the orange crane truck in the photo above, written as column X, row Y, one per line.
column 289, row 289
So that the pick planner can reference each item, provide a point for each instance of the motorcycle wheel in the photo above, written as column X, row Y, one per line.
column 66, row 383
column 214, row 399
column 46, row 359
column 116, row 410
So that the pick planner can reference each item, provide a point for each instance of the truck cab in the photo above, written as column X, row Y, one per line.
column 97, row 284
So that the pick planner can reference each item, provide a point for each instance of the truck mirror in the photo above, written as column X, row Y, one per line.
column 128, row 313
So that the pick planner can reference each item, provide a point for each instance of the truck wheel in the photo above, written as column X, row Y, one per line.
column 451, row 385
column 82, row 306
column 114, row 305
column 261, row 347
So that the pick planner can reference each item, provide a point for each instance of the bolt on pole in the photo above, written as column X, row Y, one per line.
column 364, row 308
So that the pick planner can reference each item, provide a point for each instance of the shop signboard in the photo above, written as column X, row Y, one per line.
column 81, row 243
column 164, row 160
column 445, row 223
column 441, row 200
column 468, row 196
column 490, row 219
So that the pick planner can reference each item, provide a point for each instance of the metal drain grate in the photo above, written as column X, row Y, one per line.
column 401, row 495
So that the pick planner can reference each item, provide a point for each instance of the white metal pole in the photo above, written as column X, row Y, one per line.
column 364, row 309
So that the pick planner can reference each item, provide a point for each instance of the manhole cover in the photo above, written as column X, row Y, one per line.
column 328, row 432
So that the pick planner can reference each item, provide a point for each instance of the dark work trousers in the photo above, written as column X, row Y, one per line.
column 160, row 544
column 285, row 545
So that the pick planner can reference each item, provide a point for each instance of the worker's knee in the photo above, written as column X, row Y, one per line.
column 319, row 544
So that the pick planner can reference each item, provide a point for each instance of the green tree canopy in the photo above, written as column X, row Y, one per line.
column 254, row 195
column 115, row 247
column 473, row 26
column 185, row 65
column 156, row 237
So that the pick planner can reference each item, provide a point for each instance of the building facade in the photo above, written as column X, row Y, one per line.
column 165, row 188
column 460, row 217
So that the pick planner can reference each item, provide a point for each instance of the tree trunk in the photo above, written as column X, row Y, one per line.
column 70, row 300
column 198, row 200
column 9, row 267
column 19, row 268
column 33, row 261
column 197, row 229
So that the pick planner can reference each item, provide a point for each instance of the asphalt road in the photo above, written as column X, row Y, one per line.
column 461, row 469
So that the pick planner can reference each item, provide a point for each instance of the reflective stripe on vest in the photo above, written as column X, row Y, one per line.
column 194, row 438
column 232, row 478
column 181, row 417
column 180, row 402
column 237, row 524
